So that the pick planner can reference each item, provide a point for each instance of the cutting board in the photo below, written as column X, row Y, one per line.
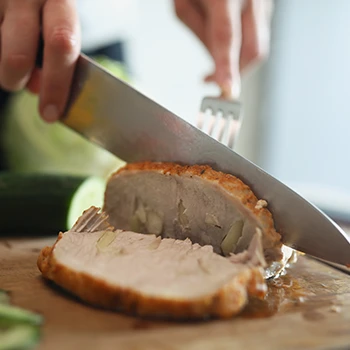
column 308, row 308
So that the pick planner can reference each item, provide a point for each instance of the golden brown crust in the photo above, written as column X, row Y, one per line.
column 224, row 303
column 234, row 186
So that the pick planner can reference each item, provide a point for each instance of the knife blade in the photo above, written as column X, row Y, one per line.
column 120, row 119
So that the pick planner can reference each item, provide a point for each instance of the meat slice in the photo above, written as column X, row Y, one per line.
column 195, row 202
column 150, row 275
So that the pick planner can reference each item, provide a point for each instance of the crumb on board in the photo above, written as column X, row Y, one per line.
column 335, row 308
column 261, row 204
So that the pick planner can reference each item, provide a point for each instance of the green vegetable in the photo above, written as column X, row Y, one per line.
column 116, row 68
column 55, row 175
column 10, row 315
column 32, row 145
column 46, row 203
column 4, row 297
column 19, row 337
column 90, row 192
column 19, row 328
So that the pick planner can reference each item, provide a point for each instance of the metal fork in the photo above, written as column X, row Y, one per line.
column 220, row 118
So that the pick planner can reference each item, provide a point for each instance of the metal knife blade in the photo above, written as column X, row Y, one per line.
column 115, row 116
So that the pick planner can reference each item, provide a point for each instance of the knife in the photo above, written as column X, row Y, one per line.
column 120, row 119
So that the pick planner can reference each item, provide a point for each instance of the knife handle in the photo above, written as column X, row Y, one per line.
column 40, row 53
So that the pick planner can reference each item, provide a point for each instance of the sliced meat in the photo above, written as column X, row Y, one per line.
column 148, row 275
column 195, row 202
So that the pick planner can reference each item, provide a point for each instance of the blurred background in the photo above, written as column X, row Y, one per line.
column 296, row 105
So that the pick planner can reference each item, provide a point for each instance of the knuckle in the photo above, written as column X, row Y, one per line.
column 223, row 33
column 63, row 40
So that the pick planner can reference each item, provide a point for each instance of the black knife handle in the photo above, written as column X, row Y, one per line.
column 40, row 53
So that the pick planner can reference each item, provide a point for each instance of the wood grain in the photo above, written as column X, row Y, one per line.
column 309, row 308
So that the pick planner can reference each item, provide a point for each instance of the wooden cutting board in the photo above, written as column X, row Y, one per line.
column 309, row 308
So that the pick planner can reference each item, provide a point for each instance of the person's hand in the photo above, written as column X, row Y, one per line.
column 235, row 32
column 22, row 21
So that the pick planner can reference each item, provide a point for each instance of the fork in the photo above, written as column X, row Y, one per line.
column 220, row 118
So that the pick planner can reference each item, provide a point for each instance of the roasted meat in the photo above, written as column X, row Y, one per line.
column 195, row 202
column 151, row 276
column 181, row 242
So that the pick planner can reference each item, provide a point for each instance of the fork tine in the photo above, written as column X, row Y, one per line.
column 205, row 119
column 223, row 118
column 212, row 122
column 233, row 130
column 200, row 120
column 222, row 128
column 231, row 134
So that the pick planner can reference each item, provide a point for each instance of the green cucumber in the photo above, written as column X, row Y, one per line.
column 45, row 203
column 19, row 328
column 19, row 337
column 4, row 297
column 11, row 315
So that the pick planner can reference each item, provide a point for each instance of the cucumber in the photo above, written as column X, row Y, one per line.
column 45, row 203
column 90, row 192
column 19, row 328
column 11, row 315
column 19, row 337
column 4, row 297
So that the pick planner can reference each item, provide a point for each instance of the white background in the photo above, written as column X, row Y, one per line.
column 297, row 122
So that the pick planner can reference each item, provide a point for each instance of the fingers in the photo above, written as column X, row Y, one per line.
column 34, row 82
column 225, row 37
column 192, row 15
column 61, row 50
column 19, row 39
column 256, row 18
column 210, row 78
column 217, row 23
